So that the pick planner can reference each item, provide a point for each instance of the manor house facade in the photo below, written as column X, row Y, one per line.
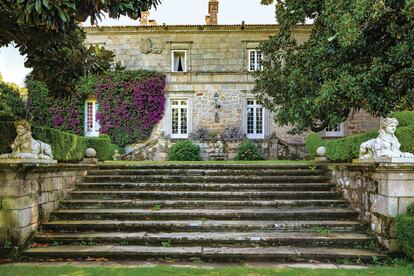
column 209, row 72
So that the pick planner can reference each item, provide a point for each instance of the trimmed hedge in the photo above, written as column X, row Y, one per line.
column 312, row 143
column 405, row 118
column 346, row 149
column 184, row 151
column 404, row 228
column 248, row 151
column 66, row 147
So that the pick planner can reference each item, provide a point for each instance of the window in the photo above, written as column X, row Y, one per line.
column 255, row 119
column 255, row 58
column 336, row 131
column 179, row 118
column 91, row 123
column 179, row 61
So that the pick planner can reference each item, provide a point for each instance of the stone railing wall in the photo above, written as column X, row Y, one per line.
column 217, row 149
column 379, row 192
column 29, row 193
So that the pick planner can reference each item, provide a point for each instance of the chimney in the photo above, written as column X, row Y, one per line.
column 212, row 19
column 144, row 18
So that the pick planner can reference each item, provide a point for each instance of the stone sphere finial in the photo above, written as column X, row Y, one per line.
column 90, row 153
column 321, row 151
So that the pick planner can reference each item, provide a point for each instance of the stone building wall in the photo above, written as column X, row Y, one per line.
column 217, row 62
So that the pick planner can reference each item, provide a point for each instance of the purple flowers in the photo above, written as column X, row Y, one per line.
column 129, row 110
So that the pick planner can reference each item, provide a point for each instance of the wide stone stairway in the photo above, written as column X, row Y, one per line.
column 205, row 213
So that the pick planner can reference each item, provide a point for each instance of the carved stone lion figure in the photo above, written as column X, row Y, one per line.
column 25, row 147
column 385, row 145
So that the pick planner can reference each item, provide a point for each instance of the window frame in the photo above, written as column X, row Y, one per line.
column 185, row 61
column 95, row 124
column 340, row 133
column 255, row 106
column 258, row 66
column 179, row 106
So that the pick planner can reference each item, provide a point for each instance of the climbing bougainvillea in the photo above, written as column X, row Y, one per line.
column 129, row 108
column 131, row 103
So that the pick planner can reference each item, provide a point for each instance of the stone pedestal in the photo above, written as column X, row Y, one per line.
column 90, row 160
column 320, row 159
column 380, row 192
column 386, row 160
column 27, row 161
column 29, row 193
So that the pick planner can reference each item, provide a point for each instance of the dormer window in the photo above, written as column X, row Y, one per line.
column 179, row 61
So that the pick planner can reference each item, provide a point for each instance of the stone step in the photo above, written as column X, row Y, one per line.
column 232, row 239
column 279, row 253
column 191, row 214
column 207, row 186
column 200, row 225
column 216, row 204
column 208, row 172
column 205, row 179
column 203, row 166
column 226, row 195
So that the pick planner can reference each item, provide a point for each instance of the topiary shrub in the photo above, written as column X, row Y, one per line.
column 103, row 147
column 405, row 118
column 66, row 147
column 404, row 228
column 313, row 142
column 346, row 149
column 248, row 151
column 406, row 137
column 184, row 151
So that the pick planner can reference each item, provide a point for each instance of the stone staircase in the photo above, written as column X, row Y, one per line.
column 205, row 212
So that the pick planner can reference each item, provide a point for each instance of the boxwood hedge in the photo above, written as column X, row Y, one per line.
column 66, row 147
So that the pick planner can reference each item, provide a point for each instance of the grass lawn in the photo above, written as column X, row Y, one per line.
column 67, row 270
column 257, row 162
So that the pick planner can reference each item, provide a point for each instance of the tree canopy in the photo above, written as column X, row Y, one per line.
column 360, row 55
column 48, row 32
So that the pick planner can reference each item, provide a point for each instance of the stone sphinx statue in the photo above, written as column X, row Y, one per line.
column 25, row 147
column 386, row 145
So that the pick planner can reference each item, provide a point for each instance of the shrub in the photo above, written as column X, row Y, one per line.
column 406, row 135
column 313, row 142
column 7, row 135
column 66, row 147
column 346, row 149
column 404, row 228
column 38, row 103
column 184, row 151
column 410, row 210
column 103, row 147
column 46, row 111
column 69, row 147
column 11, row 103
column 248, row 151
column 405, row 118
